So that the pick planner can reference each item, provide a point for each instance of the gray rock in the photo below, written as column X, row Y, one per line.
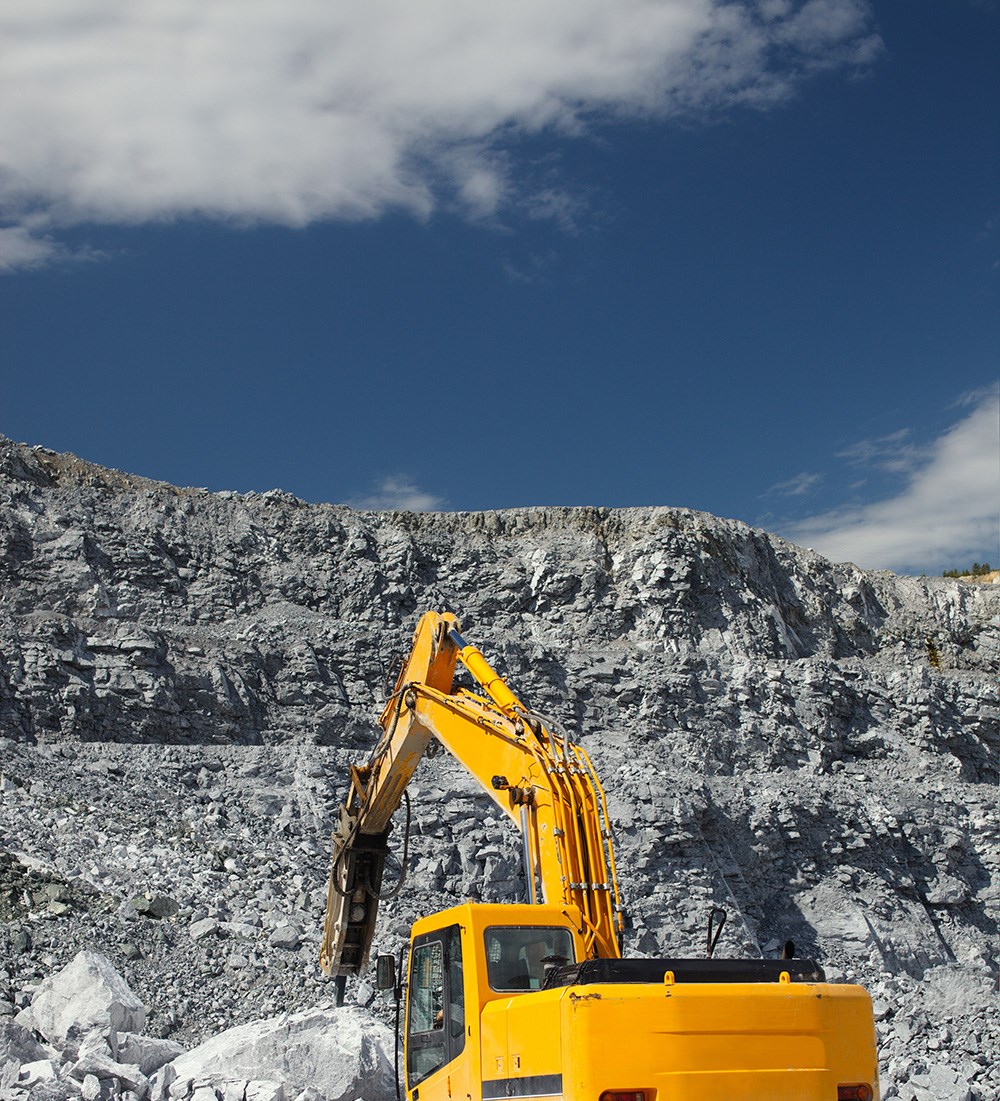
column 31, row 1074
column 239, row 929
column 148, row 1052
column 155, row 906
column 181, row 1087
column 769, row 726
column 101, row 1064
column 286, row 937
column 940, row 1083
column 18, row 1044
column 8, row 1077
column 344, row 1053
column 947, row 891
column 86, row 994
column 203, row 928
column 264, row 1091
column 161, row 1081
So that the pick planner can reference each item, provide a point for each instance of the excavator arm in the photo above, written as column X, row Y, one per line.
column 543, row 782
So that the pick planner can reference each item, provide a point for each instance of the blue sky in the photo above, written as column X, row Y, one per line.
column 737, row 257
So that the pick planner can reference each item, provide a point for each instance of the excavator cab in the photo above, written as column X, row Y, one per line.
column 461, row 962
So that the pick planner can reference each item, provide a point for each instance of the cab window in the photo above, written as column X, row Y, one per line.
column 427, row 988
column 517, row 957
column 435, row 1012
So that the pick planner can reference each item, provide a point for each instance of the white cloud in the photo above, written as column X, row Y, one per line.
column 398, row 492
column 27, row 246
column 125, row 111
column 819, row 25
column 796, row 486
column 948, row 514
column 894, row 454
column 18, row 249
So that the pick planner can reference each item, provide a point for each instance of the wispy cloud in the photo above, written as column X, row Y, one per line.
column 797, row 486
column 893, row 454
column 947, row 514
column 122, row 113
column 24, row 247
column 397, row 492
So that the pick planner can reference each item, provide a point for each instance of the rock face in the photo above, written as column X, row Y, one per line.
column 134, row 611
column 184, row 677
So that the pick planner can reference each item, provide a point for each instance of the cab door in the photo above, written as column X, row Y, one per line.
column 435, row 1017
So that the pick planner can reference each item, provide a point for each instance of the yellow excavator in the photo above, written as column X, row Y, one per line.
column 533, row 999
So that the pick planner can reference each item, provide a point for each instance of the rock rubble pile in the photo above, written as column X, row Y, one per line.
column 81, row 1037
column 185, row 676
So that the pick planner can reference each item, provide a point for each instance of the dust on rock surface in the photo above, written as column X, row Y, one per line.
column 185, row 676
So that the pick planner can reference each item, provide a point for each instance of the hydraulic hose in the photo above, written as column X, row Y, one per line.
column 394, row 894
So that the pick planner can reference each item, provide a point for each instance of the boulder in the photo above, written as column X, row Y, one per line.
column 161, row 1081
column 103, row 1067
column 264, row 1091
column 953, row 988
column 343, row 1053
column 940, row 1083
column 837, row 921
column 203, row 928
column 149, row 1053
column 155, row 906
column 42, row 1070
column 286, row 937
column 9, row 1073
column 95, row 1059
column 87, row 994
column 18, row 1045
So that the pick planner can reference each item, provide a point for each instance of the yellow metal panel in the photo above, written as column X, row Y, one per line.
column 493, row 1030
column 718, row 1041
column 533, row 1034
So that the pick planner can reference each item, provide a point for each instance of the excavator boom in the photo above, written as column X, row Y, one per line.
column 543, row 782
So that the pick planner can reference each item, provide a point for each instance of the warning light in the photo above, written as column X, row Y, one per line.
column 860, row 1091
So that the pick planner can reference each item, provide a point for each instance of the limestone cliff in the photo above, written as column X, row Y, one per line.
column 810, row 745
